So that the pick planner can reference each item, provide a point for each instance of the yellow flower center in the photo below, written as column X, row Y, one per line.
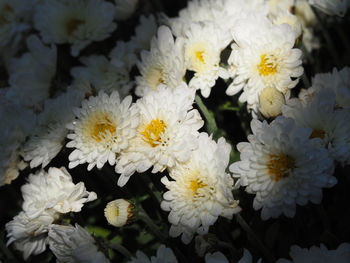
column 72, row 25
column 101, row 127
column 195, row 185
column 317, row 133
column 199, row 56
column 153, row 131
column 266, row 66
column 154, row 77
column 279, row 166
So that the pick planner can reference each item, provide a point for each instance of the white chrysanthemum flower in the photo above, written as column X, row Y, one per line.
column 123, row 55
column 73, row 245
column 54, row 192
column 103, row 128
column 163, row 65
column 29, row 235
column 290, row 19
column 48, row 137
column 318, row 254
column 223, row 13
column 124, row 8
column 144, row 32
column 337, row 81
column 331, row 7
column 166, row 133
column 203, row 43
column 283, row 167
column 76, row 22
column 17, row 124
column 15, row 16
column 202, row 190
column 263, row 56
column 31, row 75
column 218, row 257
column 103, row 75
column 332, row 127
column 164, row 255
column 119, row 212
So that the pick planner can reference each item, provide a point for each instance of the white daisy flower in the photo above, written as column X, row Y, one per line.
column 74, row 244
column 318, row 254
column 202, row 190
column 283, row 167
column 164, row 255
column 29, row 235
column 15, row 16
column 163, row 65
column 166, row 133
column 124, row 8
column 48, row 137
column 332, row 127
column 262, row 56
column 31, row 74
column 103, row 75
column 103, row 128
column 337, row 81
column 331, row 7
column 53, row 192
column 76, row 22
column 203, row 43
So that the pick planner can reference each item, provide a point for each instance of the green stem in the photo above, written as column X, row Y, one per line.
column 211, row 124
column 121, row 249
column 268, row 255
column 143, row 216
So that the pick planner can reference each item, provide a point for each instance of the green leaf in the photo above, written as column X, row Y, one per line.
column 98, row 231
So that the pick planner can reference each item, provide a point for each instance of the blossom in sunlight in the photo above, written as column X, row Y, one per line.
column 29, row 235
column 76, row 22
column 331, row 7
column 124, row 8
column 102, row 128
column 262, row 56
column 119, row 212
column 163, row 65
column 283, row 167
column 53, row 192
column 31, row 74
column 48, row 137
column 318, row 254
column 201, row 190
column 337, row 81
column 164, row 255
column 103, row 75
column 166, row 133
column 74, row 244
column 331, row 126
column 203, row 43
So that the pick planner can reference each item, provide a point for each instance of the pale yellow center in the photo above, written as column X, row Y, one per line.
column 199, row 56
column 317, row 133
column 280, row 165
column 153, row 131
column 154, row 77
column 72, row 25
column 101, row 127
column 266, row 66
column 195, row 185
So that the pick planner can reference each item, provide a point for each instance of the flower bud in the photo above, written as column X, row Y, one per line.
column 119, row 212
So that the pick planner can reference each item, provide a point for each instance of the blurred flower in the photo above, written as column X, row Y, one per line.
column 166, row 133
column 73, row 245
column 202, row 190
column 124, row 8
column 103, row 128
column 76, row 22
column 164, row 255
column 218, row 257
column 283, row 167
column 163, row 65
column 53, row 192
column 119, row 212
column 331, row 7
column 318, row 254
